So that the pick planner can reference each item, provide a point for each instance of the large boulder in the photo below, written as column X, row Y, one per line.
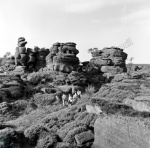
column 93, row 109
column 139, row 105
column 113, row 131
column 11, row 87
column 34, row 78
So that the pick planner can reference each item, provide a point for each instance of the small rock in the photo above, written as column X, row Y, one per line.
column 93, row 109
column 141, row 106
column 84, row 137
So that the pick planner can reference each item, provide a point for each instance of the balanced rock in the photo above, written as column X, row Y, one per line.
column 21, row 42
column 20, row 54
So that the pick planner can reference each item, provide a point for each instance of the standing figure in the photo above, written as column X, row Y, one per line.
column 79, row 94
column 64, row 99
column 70, row 99
column 57, row 98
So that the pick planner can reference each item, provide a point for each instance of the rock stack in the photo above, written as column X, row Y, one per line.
column 36, row 57
column 109, row 60
column 20, row 54
column 20, row 57
column 62, row 57
column 31, row 59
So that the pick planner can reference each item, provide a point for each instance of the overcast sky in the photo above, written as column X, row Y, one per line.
column 89, row 23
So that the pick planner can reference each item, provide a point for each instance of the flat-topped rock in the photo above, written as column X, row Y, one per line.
column 120, row 132
column 109, row 57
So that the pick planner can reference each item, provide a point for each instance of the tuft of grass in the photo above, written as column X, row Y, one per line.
column 90, row 90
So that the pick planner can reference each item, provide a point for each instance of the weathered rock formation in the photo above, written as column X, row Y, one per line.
column 109, row 60
column 31, row 59
column 20, row 54
column 62, row 57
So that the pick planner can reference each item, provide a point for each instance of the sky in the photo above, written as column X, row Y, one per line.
column 88, row 23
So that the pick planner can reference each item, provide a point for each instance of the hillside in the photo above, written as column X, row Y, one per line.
column 108, row 103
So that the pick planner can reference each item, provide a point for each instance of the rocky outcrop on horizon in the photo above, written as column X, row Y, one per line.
column 109, row 60
column 29, row 59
